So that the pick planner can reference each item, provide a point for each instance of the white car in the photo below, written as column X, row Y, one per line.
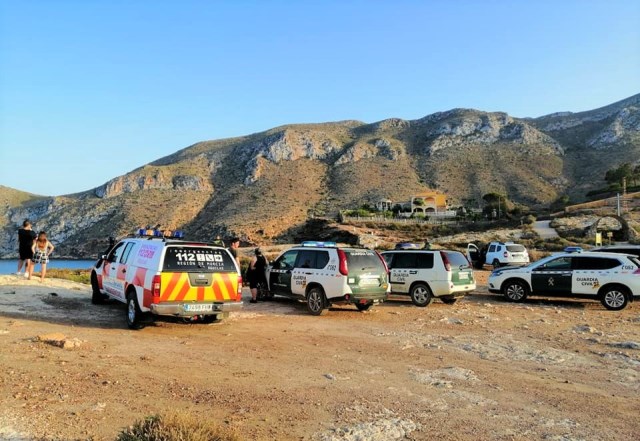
column 322, row 274
column 498, row 254
column 424, row 274
column 612, row 278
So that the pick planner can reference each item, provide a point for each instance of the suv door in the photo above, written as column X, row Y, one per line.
column 280, row 273
column 402, row 271
column 304, row 268
column 553, row 278
column 473, row 255
column 590, row 273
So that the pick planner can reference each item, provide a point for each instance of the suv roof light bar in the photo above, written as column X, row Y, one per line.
column 318, row 243
column 154, row 232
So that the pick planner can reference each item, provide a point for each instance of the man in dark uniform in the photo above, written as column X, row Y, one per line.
column 26, row 236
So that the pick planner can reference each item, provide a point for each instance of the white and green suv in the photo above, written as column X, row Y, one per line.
column 322, row 274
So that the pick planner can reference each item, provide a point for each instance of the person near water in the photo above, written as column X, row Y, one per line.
column 26, row 236
column 256, row 273
column 42, row 248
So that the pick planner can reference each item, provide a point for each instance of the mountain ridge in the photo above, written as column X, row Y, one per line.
column 265, row 185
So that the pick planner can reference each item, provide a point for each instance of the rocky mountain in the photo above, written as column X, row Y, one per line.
column 265, row 186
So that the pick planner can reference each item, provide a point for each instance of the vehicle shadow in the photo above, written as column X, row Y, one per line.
column 73, row 311
column 536, row 301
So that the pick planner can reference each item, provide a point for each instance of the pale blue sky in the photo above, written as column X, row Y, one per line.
column 90, row 90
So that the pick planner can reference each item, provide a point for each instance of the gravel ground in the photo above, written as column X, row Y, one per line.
column 479, row 369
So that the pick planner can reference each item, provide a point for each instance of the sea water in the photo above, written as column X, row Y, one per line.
column 11, row 266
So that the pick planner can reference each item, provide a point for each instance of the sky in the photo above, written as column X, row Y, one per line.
column 90, row 90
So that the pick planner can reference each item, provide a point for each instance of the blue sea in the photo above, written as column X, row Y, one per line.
column 11, row 266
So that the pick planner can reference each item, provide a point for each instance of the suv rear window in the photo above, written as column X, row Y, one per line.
column 198, row 259
column 363, row 259
column 516, row 248
column 411, row 260
column 457, row 259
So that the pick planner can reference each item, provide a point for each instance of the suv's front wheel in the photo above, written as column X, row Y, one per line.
column 421, row 295
column 316, row 301
column 515, row 290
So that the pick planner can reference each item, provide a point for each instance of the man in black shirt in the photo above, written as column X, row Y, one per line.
column 26, row 236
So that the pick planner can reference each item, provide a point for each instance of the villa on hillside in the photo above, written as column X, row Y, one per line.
column 430, row 203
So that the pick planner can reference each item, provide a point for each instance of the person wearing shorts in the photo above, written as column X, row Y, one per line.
column 256, row 273
column 42, row 248
column 26, row 236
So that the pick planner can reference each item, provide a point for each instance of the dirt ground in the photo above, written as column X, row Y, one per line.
column 481, row 369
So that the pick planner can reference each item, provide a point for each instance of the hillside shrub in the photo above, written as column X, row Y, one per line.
column 176, row 427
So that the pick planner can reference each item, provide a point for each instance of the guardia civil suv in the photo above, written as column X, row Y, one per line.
column 425, row 274
column 612, row 278
column 322, row 274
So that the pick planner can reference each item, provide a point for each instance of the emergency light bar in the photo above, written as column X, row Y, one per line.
column 316, row 243
column 152, row 232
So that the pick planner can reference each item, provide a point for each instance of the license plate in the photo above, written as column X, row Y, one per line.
column 369, row 282
column 464, row 276
column 198, row 307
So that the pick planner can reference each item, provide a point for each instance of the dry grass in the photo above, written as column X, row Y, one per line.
column 80, row 276
column 176, row 427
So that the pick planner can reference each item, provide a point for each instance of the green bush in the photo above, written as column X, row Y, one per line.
column 176, row 427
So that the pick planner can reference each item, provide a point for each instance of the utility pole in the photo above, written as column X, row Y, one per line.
column 624, row 195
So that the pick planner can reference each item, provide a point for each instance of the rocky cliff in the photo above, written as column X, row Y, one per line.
column 265, row 186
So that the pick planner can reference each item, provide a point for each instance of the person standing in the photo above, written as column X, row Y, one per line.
column 42, row 248
column 233, row 248
column 26, row 236
column 256, row 274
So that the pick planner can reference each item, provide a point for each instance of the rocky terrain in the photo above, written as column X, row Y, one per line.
column 562, row 370
column 266, row 186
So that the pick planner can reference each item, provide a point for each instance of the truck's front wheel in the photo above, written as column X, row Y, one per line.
column 134, row 315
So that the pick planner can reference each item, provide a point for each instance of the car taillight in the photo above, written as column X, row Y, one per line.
column 445, row 260
column 155, row 289
column 239, row 296
column 384, row 262
column 505, row 254
column 343, row 268
column 637, row 272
